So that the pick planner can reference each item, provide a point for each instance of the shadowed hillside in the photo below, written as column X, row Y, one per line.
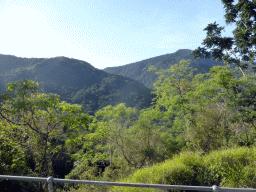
column 75, row 81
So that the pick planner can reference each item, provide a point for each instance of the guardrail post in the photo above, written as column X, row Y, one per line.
column 50, row 185
column 215, row 188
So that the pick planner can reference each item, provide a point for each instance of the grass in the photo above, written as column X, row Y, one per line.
column 227, row 168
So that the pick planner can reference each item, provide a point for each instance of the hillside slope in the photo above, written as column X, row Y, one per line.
column 224, row 168
column 139, row 70
column 75, row 81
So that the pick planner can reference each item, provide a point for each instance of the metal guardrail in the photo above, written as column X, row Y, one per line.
column 50, row 181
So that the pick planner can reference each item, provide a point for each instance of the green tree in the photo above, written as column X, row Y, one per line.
column 173, row 108
column 207, row 133
column 207, row 109
column 110, row 128
column 226, row 99
column 12, row 155
column 109, row 149
column 14, row 160
column 40, row 122
column 171, row 90
column 244, row 36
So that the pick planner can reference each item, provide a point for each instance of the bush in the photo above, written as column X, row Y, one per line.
column 227, row 168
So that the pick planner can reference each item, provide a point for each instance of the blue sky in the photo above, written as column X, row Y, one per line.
column 106, row 33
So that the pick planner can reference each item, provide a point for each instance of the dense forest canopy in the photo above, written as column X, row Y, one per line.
column 202, row 112
column 76, row 82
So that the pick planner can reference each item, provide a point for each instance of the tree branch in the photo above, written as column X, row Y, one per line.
column 24, row 124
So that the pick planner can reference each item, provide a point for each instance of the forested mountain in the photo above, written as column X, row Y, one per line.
column 139, row 70
column 75, row 81
column 79, row 82
column 199, row 131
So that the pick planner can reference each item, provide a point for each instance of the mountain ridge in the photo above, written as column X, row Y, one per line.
column 76, row 81
column 139, row 70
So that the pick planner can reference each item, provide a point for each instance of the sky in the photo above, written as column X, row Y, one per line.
column 106, row 33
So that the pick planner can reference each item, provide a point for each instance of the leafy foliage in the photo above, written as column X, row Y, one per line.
column 243, row 39
column 199, row 113
column 38, row 126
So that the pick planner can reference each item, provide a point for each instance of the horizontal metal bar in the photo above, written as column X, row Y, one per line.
column 141, row 185
column 159, row 186
column 43, row 179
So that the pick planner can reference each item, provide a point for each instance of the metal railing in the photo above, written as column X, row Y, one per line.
column 50, row 181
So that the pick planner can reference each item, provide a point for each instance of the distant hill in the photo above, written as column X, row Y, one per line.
column 139, row 70
column 75, row 81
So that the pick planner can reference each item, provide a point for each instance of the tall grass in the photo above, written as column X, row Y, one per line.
column 228, row 168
